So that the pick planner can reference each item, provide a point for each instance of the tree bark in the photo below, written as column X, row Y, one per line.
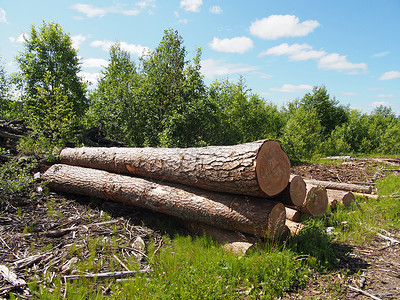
column 259, row 169
column 233, row 212
column 344, row 197
column 340, row 186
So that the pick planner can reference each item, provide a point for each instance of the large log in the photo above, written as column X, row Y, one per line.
column 340, row 186
column 232, row 212
column 259, row 169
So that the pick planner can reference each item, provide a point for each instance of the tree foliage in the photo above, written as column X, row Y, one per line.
column 54, row 95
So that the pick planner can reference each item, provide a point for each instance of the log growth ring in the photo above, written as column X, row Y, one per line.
column 272, row 168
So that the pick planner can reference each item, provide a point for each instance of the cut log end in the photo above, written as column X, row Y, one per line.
column 297, row 190
column 316, row 201
column 276, row 222
column 272, row 168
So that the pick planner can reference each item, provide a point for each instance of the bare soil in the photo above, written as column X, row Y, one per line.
column 37, row 231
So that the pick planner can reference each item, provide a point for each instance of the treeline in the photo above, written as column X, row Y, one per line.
column 162, row 100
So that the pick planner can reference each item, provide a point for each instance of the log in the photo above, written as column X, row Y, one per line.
column 292, row 214
column 294, row 227
column 344, row 197
column 232, row 212
column 232, row 241
column 294, row 193
column 340, row 186
column 259, row 169
column 316, row 201
column 367, row 196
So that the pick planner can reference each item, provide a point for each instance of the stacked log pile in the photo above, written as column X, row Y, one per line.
column 228, row 192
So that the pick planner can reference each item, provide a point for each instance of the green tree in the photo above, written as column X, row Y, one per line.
column 54, row 95
column 301, row 136
column 112, row 103
column 329, row 112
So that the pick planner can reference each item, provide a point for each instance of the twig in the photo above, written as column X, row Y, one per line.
column 363, row 292
column 115, row 275
column 121, row 263
column 388, row 238
column 5, row 244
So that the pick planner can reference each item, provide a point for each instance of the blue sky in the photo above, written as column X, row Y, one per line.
column 282, row 48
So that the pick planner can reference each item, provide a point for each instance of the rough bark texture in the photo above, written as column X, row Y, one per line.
column 232, row 241
column 344, row 197
column 259, row 169
column 316, row 201
column 233, row 212
column 292, row 214
column 340, row 186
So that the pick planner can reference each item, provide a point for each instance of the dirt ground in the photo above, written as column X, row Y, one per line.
column 37, row 231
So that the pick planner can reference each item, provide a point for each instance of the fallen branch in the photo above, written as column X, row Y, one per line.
column 116, row 275
column 340, row 186
column 363, row 292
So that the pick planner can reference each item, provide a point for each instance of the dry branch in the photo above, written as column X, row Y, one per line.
column 257, row 169
column 340, row 186
column 116, row 275
column 233, row 212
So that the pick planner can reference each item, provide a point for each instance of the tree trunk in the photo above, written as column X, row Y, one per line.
column 233, row 212
column 340, row 186
column 344, row 197
column 294, row 193
column 232, row 241
column 316, row 201
column 259, row 169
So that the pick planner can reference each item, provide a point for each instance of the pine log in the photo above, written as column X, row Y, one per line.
column 233, row 212
column 292, row 214
column 316, row 201
column 259, row 169
column 232, row 241
column 344, row 197
column 340, row 186
column 294, row 227
column 294, row 193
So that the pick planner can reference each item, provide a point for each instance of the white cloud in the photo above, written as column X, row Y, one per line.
column 92, row 11
column 20, row 39
column 277, row 26
column 94, row 63
column 191, row 5
column 348, row 93
column 338, row 62
column 211, row 68
column 385, row 96
column 3, row 16
column 216, row 10
column 92, row 78
column 390, row 75
column 379, row 103
column 381, row 54
column 137, row 50
column 295, row 51
column 234, row 45
column 290, row 88
column 77, row 40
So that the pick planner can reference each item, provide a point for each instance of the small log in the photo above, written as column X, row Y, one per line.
column 316, row 201
column 294, row 227
column 367, row 196
column 340, row 186
column 292, row 214
column 344, row 197
column 259, row 169
column 232, row 212
column 235, row 242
